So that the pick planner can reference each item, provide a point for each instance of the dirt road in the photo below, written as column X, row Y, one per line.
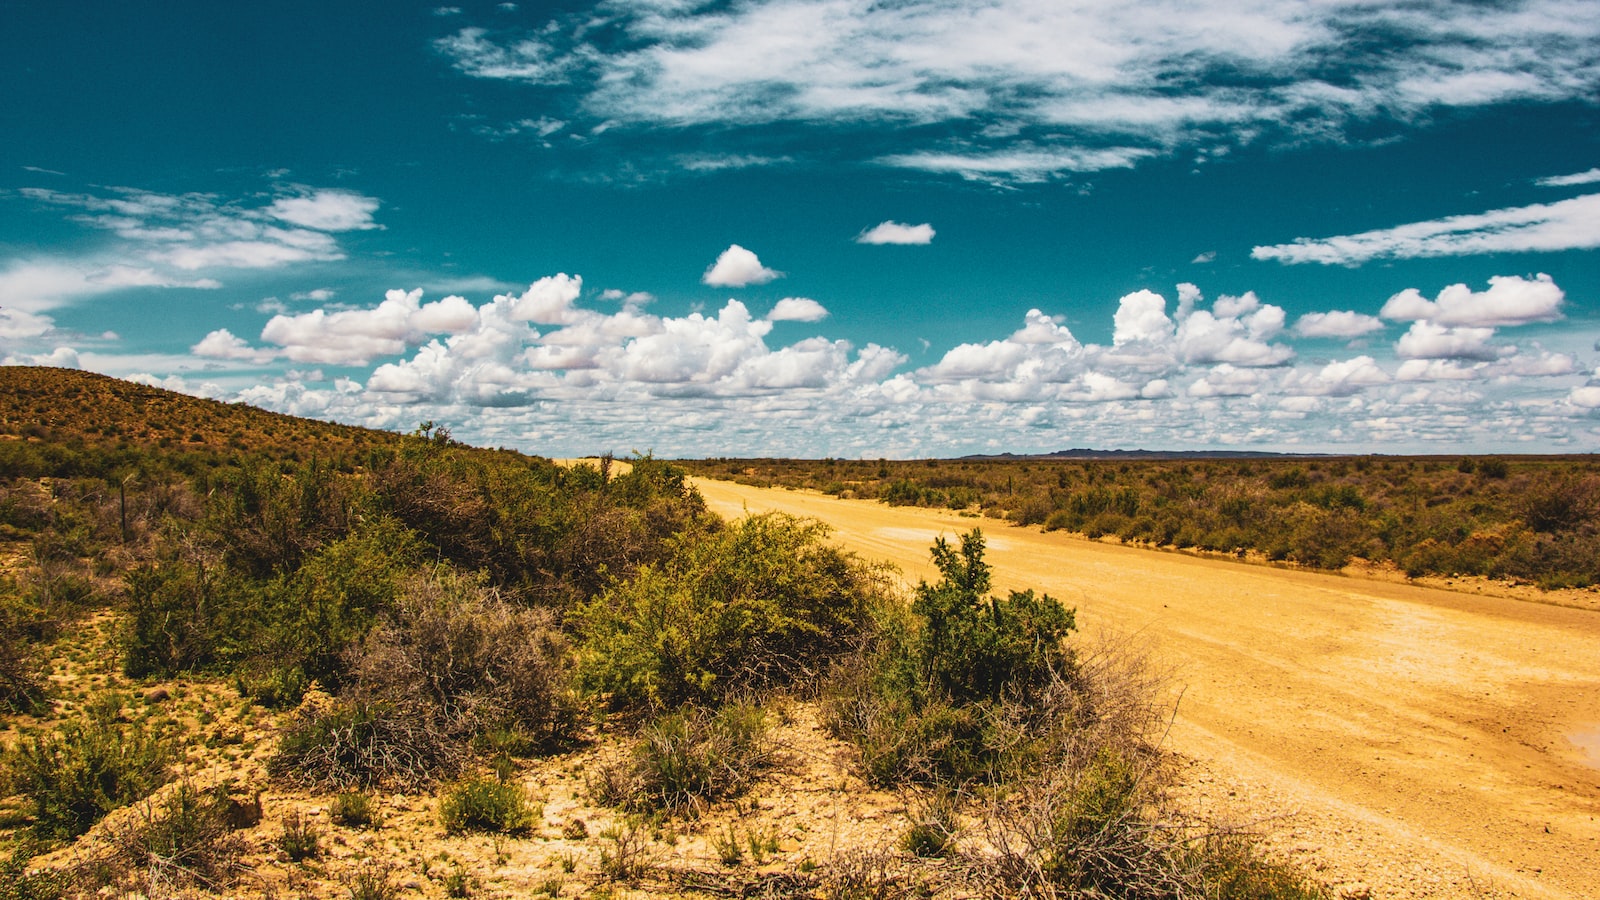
column 1411, row 742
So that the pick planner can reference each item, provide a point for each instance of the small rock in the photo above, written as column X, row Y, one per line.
column 1355, row 890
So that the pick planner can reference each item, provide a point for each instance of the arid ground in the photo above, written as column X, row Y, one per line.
column 1400, row 740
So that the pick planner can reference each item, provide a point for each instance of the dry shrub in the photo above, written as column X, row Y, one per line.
column 452, row 661
column 1086, row 805
column 688, row 758
column 183, row 838
column 477, row 659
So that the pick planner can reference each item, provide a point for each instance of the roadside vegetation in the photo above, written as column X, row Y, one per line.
column 294, row 658
column 1532, row 519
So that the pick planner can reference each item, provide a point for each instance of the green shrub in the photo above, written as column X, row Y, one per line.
column 74, row 776
column 17, row 882
column 355, row 809
column 762, row 603
column 1231, row 869
column 486, row 804
column 688, row 758
column 186, row 837
column 299, row 839
column 923, row 699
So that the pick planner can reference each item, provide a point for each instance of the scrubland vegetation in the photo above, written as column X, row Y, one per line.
column 1533, row 519
column 377, row 617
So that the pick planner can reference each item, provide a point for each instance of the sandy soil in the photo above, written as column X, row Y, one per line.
column 1398, row 740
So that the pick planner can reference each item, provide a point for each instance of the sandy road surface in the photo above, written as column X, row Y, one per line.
column 1413, row 741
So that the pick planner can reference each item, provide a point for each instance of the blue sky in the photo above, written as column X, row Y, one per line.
column 822, row 227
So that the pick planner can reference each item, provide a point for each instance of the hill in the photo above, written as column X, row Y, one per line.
column 69, row 408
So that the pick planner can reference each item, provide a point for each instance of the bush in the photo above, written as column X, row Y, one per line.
column 925, row 699
column 185, row 838
column 355, row 809
column 688, row 758
column 479, row 664
column 22, row 689
column 299, row 839
column 485, row 804
column 333, row 744
column 450, row 664
column 74, row 776
column 761, row 604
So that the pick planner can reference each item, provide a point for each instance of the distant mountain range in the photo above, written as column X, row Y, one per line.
column 1086, row 453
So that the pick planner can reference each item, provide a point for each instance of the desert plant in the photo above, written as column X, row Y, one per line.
column 339, row 743
column 483, row 666
column 184, row 838
column 355, row 809
column 924, row 698
column 764, row 602
column 371, row 880
column 626, row 853
column 934, row 825
column 687, row 758
column 75, row 775
column 299, row 839
column 486, row 804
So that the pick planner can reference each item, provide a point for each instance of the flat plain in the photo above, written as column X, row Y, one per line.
column 1405, row 740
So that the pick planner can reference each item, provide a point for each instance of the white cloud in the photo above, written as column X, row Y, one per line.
column 1141, row 316
column 1228, row 381
column 1156, row 76
column 1590, row 177
column 549, row 300
column 59, row 358
column 526, row 59
column 224, row 344
column 16, row 324
column 1337, row 324
column 1022, row 164
column 1342, row 378
column 326, row 210
column 162, row 240
column 36, row 285
column 1567, row 225
column 890, row 232
column 1510, row 300
column 738, row 267
column 1587, row 396
column 797, row 309
column 1427, row 340
column 357, row 336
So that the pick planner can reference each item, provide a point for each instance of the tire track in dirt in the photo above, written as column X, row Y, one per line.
column 1411, row 741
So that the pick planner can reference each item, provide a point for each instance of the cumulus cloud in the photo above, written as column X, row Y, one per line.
column 738, row 267
column 224, row 344
column 890, row 232
column 549, row 300
column 797, row 309
column 1337, row 324
column 1510, row 300
column 1428, row 340
column 1141, row 316
column 1547, row 227
column 357, row 336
